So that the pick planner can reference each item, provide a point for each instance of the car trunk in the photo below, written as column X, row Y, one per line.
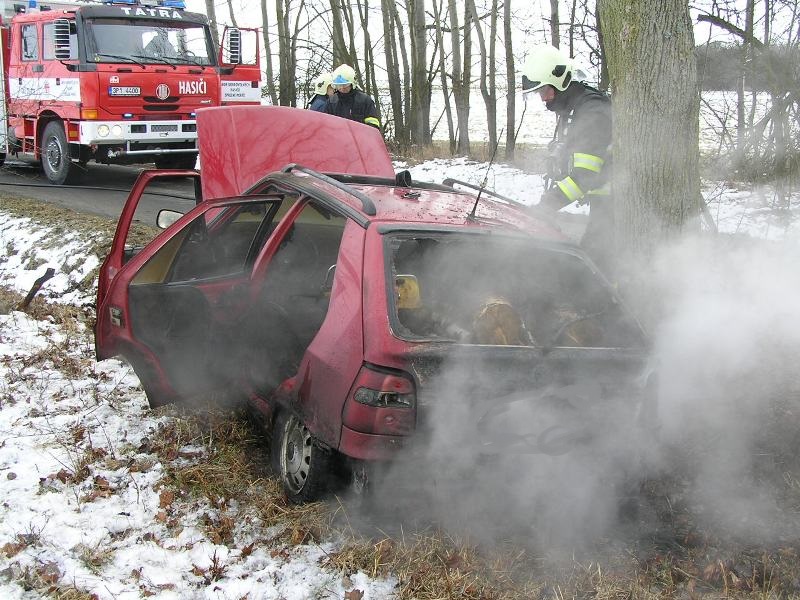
column 525, row 400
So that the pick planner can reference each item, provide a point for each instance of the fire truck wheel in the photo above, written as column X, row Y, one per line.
column 56, row 161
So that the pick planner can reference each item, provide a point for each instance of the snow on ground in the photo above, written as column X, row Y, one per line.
column 100, row 528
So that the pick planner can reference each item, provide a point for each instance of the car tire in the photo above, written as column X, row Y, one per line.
column 301, row 463
column 56, row 162
column 176, row 161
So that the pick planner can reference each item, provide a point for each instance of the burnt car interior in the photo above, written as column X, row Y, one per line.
column 192, row 305
column 294, row 297
column 495, row 290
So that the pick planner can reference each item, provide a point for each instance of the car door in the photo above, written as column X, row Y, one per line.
column 174, row 308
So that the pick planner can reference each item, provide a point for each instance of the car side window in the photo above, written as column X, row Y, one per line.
column 30, row 42
column 221, row 242
column 300, row 275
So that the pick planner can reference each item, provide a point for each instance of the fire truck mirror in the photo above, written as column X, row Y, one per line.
column 233, row 45
column 61, row 39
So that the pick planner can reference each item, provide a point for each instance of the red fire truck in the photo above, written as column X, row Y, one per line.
column 117, row 82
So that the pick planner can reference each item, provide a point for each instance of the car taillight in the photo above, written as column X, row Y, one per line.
column 381, row 403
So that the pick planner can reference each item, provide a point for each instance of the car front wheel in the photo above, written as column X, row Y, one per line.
column 302, row 465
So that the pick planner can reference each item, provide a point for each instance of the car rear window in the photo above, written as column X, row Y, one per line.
column 496, row 290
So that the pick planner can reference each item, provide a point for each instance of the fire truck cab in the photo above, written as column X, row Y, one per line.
column 118, row 82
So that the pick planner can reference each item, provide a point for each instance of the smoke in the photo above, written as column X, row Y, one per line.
column 564, row 466
column 727, row 347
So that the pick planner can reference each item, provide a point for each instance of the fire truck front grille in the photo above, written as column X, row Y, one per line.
column 156, row 100
column 161, row 107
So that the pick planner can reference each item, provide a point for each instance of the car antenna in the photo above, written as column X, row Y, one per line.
column 471, row 215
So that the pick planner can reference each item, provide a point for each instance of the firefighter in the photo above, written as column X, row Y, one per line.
column 349, row 102
column 580, row 154
column 160, row 46
column 323, row 90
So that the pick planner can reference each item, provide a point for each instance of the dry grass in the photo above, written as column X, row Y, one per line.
column 96, row 233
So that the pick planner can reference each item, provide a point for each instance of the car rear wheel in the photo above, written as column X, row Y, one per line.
column 302, row 465
column 56, row 162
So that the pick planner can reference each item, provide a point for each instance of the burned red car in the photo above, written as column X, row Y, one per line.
column 337, row 305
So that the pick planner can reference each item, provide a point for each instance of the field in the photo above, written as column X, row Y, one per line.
column 104, row 498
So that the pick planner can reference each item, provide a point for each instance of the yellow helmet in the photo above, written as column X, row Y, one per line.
column 344, row 75
column 321, row 84
column 546, row 65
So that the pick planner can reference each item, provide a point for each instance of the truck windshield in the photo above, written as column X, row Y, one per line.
column 481, row 289
column 149, row 41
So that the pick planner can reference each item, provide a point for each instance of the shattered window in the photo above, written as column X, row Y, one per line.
column 486, row 289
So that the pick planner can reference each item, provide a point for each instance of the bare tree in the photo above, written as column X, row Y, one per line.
column 273, row 94
column 392, row 69
column 401, row 39
column 511, row 117
column 656, row 182
column 437, row 23
column 288, row 33
column 211, row 12
column 370, row 82
column 420, row 109
column 232, row 13
column 460, row 73
column 555, row 36
column 486, row 57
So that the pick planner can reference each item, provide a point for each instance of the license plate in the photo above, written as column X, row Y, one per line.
column 124, row 91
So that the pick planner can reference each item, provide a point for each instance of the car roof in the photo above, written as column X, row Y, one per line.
column 413, row 204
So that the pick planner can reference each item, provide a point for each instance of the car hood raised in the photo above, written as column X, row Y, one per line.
column 239, row 145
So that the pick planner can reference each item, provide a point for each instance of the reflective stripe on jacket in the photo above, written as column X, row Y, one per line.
column 582, row 146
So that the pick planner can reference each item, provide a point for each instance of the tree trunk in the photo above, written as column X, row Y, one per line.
column 461, row 75
column 211, row 12
column 511, row 83
column 555, row 37
column 340, row 52
column 392, row 68
column 741, row 97
column 571, row 33
column 603, row 84
column 437, row 17
column 419, row 111
column 232, row 13
column 287, row 51
column 656, row 183
column 370, row 86
column 488, row 97
column 273, row 95
column 401, row 38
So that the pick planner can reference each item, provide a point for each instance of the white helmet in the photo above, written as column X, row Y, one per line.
column 321, row 84
column 546, row 65
column 344, row 75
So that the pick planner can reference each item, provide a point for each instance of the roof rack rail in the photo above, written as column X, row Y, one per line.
column 450, row 181
column 366, row 202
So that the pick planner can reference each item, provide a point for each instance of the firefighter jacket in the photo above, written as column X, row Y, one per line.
column 356, row 106
column 580, row 153
column 318, row 103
